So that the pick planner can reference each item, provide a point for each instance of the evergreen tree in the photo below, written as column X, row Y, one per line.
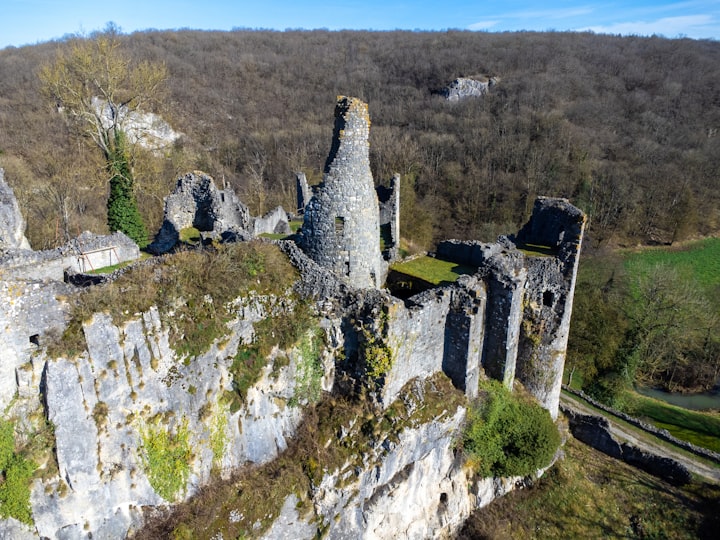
column 123, row 214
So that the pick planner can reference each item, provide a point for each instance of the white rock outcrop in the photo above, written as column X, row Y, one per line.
column 12, row 224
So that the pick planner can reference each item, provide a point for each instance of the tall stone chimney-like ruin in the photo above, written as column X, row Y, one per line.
column 341, row 227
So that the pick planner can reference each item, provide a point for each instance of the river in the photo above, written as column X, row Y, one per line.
column 697, row 402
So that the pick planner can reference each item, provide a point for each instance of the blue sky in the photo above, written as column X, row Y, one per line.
column 30, row 21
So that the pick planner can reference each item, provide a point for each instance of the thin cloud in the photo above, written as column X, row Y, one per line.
column 552, row 13
column 689, row 25
column 483, row 25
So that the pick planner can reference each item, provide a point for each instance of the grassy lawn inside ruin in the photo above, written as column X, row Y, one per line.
column 432, row 270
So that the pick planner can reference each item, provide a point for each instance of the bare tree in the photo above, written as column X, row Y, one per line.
column 97, row 86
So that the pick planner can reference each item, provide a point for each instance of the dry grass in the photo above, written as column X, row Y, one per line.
column 590, row 495
column 192, row 289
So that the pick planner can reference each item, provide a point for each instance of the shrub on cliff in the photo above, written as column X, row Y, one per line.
column 17, row 473
column 507, row 435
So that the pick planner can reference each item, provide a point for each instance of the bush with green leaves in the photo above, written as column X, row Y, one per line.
column 507, row 435
column 17, row 472
column 166, row 457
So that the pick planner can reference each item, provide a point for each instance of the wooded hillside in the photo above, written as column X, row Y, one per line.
column 627, row 128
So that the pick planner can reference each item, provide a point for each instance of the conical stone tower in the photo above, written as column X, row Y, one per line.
column 341, row 228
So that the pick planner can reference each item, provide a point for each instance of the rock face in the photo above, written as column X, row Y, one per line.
column 146, row 129
column 12, row 224
column 341, row 228
column 130, row 378
column 197, row 202
column 463, row 88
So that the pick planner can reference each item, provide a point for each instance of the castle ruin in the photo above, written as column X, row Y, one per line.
column 341, row 227
column 508, row 321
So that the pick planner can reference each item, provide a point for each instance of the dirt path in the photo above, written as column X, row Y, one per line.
column 645, row 441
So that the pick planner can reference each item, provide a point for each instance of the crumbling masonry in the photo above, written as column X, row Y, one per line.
column 509, row 320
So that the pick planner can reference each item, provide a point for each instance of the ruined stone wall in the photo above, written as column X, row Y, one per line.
column 550, row 289
column 84, row 253
column 529, row 296
column 273, row 222
column 341, row 229
column 506, row 288
column 197, row 202
column 303, row 192
column 389, row 199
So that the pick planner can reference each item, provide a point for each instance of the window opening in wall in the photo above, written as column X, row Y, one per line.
column 548, row 298
column 339, row 226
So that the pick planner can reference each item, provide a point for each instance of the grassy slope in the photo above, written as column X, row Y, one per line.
column 590, row 495
column 698, row 261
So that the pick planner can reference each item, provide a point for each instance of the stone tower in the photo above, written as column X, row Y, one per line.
column 341, row 227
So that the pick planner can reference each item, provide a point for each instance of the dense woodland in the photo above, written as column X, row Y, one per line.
column 628, row 128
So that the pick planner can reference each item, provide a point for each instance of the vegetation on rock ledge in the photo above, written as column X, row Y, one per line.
column 17, row 473
column 507, row 435
column 194, row 291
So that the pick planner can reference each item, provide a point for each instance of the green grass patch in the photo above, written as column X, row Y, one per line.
column 432, row 270
column 695, row 261
column 17, row 472
column 166, row 457
column 537, row 250
column 190, row 235
column 702, row 429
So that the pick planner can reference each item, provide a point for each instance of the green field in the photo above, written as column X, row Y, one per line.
column 432, row 270
column 695, row 261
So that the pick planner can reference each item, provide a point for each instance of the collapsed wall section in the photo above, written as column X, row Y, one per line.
column 389, row 198
column 197, row 202
column 557, row 226
column 341, row 229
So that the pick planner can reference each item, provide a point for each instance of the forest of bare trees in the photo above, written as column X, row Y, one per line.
column 628, row 128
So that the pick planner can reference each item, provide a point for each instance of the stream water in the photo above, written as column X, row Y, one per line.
column 697, row 402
